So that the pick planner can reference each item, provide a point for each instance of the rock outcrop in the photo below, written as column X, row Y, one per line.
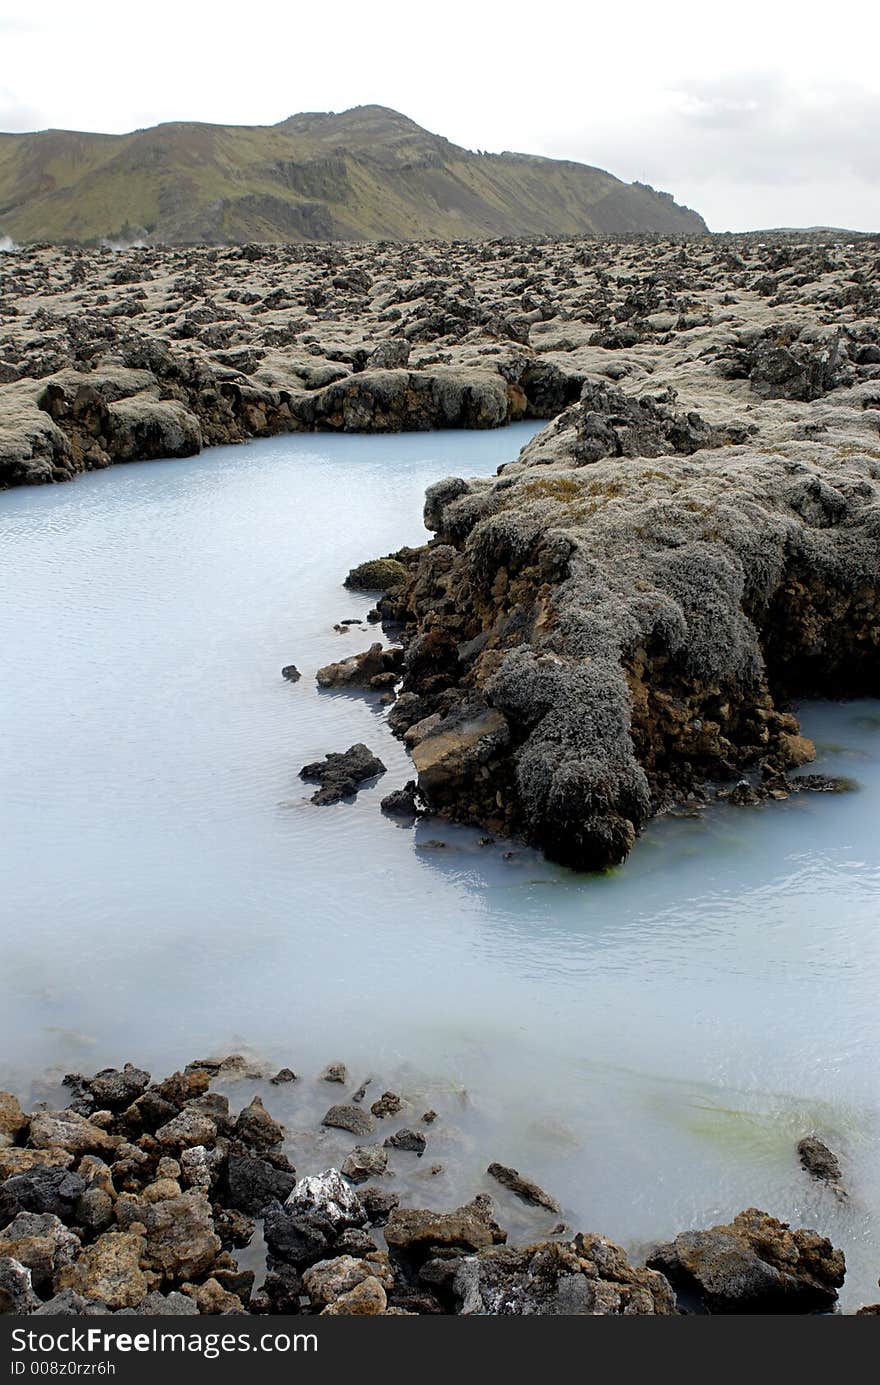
column 755, row 1264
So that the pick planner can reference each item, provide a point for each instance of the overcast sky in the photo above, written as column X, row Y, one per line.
column 764, row 113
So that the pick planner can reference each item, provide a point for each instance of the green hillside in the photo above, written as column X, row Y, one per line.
column 369, row 173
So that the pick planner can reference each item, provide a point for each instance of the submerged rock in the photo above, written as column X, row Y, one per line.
column 341, row 774
column 352, row 1117
column 524, row 1188
column 820, row 1163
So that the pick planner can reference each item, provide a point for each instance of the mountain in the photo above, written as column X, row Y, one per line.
column 365, row 174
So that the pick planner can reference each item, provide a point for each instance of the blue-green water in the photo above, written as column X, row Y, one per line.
column 650, row 1045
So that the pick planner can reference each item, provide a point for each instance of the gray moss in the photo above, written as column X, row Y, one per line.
column 634, row 621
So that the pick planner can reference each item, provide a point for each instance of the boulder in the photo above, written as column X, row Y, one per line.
column 348, row 1116
column 327, row 1280
column 113, row 1089
column 341, row 774
column 588, row 1277
column 365, row 1162
column 41, row 1189
column 17, row 1296
column 109, row 1270
column 70, row 1131
column 12, row 1119
column 378, row 575
column 256, row 1128
column 329, row 1196
column 180, row 1243
column 754, row 1264
column 252, row 1183
column 41, row 1242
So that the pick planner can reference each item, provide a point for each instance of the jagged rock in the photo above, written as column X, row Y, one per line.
column 365, row 1162
column 413, row 1231
column 94, row 1210
column 378, row 1204
column 109, row 1270
column 524, row 1188
column 256, row 1128
column 41, row 1189
column 282, row 1076
column 329, row 1196
column 113, row 1089
column 411, row 1140
column 388, row 1104
column 401, row 803
column 291, row 673
column 296, row 1239
column 12, row 1119
column 341, row 774
column 253, row 1183
column 68, row 1304
column 211, row 1297
column 16, row 1292
column 187, row 1130
column 328, row 1280
column 821, row 1163
column 390, row 355
column 67, row 1130
column 755, row 1264
column 335, row 1072
column 173, row 1305
column 41, row 1242
column 180, row 1242
column 590, row 1276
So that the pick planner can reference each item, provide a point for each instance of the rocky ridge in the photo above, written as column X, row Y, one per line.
column 625, row 614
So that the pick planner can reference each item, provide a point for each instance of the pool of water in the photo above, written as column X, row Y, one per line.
column 650, row 1045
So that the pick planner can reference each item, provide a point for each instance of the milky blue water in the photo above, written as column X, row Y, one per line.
column 650, row 1045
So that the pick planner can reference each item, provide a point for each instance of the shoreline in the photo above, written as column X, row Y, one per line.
column 137, row 1197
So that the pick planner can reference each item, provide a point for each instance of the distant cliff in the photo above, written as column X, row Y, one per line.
column 366, row 174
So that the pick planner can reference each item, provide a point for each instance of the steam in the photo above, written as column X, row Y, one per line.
column 7, row 245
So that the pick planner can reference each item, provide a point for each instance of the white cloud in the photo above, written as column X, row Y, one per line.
column 766, row 115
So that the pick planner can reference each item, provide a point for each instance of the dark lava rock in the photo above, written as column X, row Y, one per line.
column 112, row 1089
column 41, row 1189
column 16, row 1295
column 253, row 1183
column 411, row 1140
column 283, row 1075
column 523, row 1187
column 256, row 1128
column 378, row 1204
column 402, row 802
column 341, row 774
column 280, row 1292
column 294, row 1239
column 755, row 1264
column 388, row 1104
column 820, row 1162
column 291, row 673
